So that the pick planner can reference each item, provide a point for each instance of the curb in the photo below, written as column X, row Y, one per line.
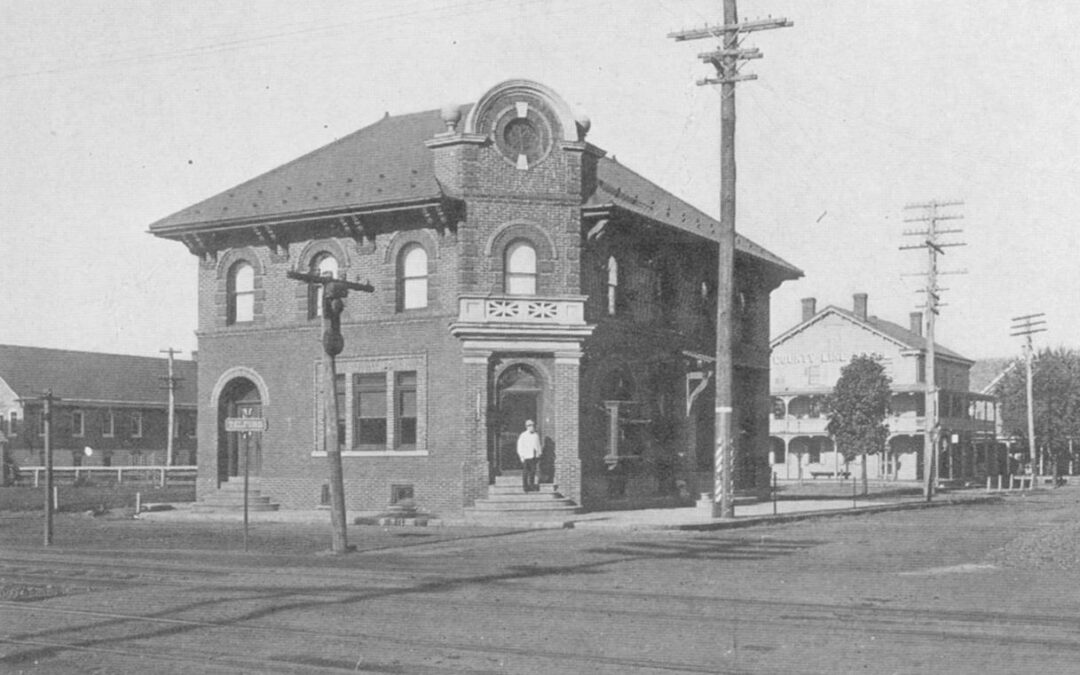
column 750, row 521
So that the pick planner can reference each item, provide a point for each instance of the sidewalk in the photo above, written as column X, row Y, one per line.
column 685, row 518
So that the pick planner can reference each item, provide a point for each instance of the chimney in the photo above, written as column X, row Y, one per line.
column 916, row 323
column 809, row 308
column 860, row 306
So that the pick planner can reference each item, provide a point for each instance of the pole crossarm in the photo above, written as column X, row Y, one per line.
column 719, row 31
column 933, row 204
column 929, row 218
column 726, row 80
column 1029, row 316
column 719, row 54
column 327, row 281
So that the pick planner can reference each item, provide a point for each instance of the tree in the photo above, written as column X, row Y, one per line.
column 857, row 408
column 1055, row 384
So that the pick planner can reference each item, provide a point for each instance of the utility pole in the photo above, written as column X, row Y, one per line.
column 1027, row 326
column 171, row 385
column 726, row 60
column 333, row 304
column 934, row 247
column 46, row 420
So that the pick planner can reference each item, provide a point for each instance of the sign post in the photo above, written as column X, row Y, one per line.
column 245, row 425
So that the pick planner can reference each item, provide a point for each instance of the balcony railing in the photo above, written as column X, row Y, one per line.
column 554, row 311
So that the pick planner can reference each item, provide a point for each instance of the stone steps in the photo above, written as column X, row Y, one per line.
column 230, row 497
column 508, row 503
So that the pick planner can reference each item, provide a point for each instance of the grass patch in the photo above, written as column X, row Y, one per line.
column 92, row 497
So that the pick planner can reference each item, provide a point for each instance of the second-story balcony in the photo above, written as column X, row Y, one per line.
column 519, row 317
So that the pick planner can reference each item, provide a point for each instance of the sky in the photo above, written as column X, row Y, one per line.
column 118, row 113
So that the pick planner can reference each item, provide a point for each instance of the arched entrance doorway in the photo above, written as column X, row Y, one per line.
column 519, row 395
column 239, row 398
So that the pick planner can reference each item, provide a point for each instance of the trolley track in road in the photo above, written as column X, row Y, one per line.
column 349, row 638
column 900, row 624
column 448, row 566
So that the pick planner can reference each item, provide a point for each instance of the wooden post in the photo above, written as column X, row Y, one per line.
column 171, row 385
column 46, row 420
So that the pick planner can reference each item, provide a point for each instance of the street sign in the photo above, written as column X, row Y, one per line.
column 245, row 424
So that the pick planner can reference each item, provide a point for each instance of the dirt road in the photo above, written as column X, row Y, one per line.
column 980, row 588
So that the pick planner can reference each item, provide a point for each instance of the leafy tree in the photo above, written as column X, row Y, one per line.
column 857, row 408
column 1055, row 383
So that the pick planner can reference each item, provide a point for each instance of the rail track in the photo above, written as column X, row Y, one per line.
column 195, row 616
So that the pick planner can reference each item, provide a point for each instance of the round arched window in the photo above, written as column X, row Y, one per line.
column 520, row 268
column 413, row 277
column 241, row 293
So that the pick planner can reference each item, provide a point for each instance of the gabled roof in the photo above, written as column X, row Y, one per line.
column 986, row 373
column 617, row 185
column 903, row 337
column 383, row 163
column 92, row 376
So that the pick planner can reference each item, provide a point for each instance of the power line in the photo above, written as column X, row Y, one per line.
column 254, row 41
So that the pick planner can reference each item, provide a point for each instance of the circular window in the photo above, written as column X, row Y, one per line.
column 522, row 137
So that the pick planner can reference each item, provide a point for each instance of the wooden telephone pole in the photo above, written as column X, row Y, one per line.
column 726, row 60
column 333, row 304
column 934, row 247
column 1027, row 326
column 47, row 399
column 171, row 386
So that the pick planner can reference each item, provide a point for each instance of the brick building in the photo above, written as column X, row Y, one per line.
column 519, row 273
column 115, row 404
column 806, row 363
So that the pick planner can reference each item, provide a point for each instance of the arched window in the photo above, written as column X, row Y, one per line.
column 413, row 277
column 519, row 276
column 241, row 293
column 612, row 285
column 323, row 265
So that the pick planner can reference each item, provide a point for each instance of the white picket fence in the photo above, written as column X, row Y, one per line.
column 158, row 475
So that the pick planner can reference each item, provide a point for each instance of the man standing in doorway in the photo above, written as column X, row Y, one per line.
column 529, row 450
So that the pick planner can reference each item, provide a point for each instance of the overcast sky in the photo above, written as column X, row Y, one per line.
column 116, row 114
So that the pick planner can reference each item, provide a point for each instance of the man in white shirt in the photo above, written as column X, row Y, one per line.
column 529, row 449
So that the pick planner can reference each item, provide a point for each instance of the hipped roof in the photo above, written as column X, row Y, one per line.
column 387, row 164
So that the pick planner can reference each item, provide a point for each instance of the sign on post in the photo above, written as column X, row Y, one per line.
column 245, row 424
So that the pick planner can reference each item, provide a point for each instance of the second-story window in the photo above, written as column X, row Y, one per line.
column 612, row 285
column 322, row 265
column 241, row 293
column 413, row 277
column 520, row 269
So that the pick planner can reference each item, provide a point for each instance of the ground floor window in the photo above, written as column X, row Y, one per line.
column 381, row 405
column 369, row 397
